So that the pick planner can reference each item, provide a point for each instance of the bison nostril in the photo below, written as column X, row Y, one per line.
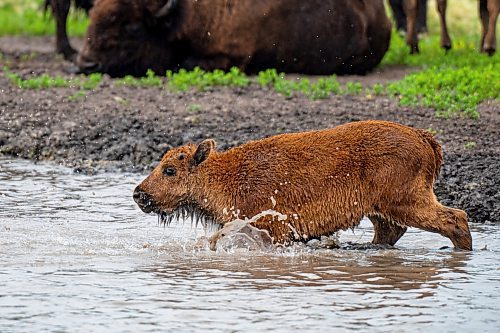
column 143, row 200
column 139, row 195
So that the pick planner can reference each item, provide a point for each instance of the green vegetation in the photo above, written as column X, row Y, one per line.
column 322, row 88
column 470, row 145
column 45, row 81
column 198, row 78
column 449, row 90
column 26, row 17
column 79, row 95
column 150, row 80
column 194, row 108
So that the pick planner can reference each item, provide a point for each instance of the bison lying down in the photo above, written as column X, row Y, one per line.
column 320, row 181
column 312, row 37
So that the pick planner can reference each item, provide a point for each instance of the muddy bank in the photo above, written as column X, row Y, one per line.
column 127, row 128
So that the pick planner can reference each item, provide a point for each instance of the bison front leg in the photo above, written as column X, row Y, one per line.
column 386, row 232
column 445, row 37
column 410, row 8
column 60, row 10
column 488, row 11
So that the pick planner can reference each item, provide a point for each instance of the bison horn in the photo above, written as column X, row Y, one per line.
column 166, row 9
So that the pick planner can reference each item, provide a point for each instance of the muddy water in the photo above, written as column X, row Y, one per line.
column 78, row 256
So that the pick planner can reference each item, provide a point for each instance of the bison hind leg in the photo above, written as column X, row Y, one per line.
column 386, row 232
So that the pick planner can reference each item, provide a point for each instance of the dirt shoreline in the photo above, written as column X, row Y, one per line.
column 122, row 128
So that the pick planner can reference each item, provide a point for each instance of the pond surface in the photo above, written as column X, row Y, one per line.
column 77, row 255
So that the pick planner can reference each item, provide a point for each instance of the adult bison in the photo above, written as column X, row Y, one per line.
column 312, row 37
column 60, row 10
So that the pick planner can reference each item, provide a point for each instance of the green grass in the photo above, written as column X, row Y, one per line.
column 150, row 80
column 450, row 90
column 46, row 81
column 199, row 79
column 453, row 83
column 26, row 17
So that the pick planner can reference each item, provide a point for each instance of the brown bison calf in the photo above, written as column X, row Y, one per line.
column 319, row 181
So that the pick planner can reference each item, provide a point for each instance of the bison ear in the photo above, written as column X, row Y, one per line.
column 166, row 9
column 203, row 151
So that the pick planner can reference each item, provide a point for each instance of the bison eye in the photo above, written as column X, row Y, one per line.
column 133, row 28
column 169, row 172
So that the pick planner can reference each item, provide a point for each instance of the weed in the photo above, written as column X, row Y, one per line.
column 378, row 89
column 76, row 96
column 322, row 88
column 432, row 131
column 199, row 79
column 193, row 108
column 46, row 81
column 470, row 145
column 353, row 88
column 449, row 90
column 150, row 80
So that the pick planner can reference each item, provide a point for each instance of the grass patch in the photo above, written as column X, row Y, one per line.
column 45, row 81
column 322, row 88
column 150, row 80
column 449, row 90
column 201, row 80
column 79, row 95
column 26, row 17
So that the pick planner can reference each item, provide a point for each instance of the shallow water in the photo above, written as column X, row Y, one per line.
column 77, row 255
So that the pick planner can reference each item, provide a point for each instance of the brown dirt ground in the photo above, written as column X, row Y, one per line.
column 127, row 129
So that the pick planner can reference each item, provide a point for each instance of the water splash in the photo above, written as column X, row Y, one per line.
column 239, row 233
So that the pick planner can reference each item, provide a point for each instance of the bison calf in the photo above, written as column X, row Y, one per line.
column 319, row 181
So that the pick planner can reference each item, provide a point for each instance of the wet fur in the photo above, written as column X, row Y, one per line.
column 323, row 181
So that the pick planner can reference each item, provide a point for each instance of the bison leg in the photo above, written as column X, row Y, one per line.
column 445, row 37
column 448, row 222
column 411, row 7
column 60, row 10
column 484, row 15
column 399, row 14
column 386, row 232
column 488, row 42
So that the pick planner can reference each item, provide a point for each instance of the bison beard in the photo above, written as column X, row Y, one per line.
column 192, row 211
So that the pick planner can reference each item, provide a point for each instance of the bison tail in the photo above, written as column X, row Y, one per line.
column 436, row 148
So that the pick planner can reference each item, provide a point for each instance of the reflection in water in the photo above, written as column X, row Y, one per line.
column 77, row 255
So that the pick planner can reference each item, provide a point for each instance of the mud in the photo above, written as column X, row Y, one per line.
column 128, row 129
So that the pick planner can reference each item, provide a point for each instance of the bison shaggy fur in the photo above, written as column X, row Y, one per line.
column 311, row 37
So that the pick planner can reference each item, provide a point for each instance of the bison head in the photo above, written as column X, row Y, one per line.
column 173, row 187
column 129, row 37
